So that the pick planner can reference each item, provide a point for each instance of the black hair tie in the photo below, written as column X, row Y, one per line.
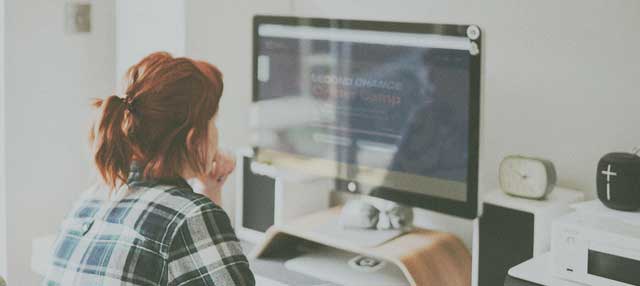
column 130, row 104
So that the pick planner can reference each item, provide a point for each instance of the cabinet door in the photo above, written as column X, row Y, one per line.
column 506, row 240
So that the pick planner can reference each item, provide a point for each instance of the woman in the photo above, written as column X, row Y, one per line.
column 144, row 224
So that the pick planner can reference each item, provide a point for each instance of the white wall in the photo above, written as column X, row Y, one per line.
column 146, row 26
column 220, row 32
column 51, row 77
column 3, row 179
column 559, row 77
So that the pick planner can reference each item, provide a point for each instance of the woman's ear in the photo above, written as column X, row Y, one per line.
column 196, row 143
column 189, row 140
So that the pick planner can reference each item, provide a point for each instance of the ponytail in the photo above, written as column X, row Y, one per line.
column 112, row 146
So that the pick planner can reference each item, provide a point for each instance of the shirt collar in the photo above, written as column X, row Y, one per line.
column 136, row 178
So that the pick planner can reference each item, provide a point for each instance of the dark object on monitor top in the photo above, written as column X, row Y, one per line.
column 388, row 109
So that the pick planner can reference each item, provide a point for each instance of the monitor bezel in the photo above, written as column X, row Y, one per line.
column 467, row 209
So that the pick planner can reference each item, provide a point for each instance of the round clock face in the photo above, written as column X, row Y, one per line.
column 523, row 177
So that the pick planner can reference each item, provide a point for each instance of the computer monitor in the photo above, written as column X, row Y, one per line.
column 387, row 109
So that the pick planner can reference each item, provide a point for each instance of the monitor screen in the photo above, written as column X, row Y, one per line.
column 388, row 109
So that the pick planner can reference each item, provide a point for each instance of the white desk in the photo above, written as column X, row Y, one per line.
column 536, row 271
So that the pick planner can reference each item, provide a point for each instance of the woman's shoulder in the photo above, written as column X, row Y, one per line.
column 160, row 210
column 184, row 200
column 192, row 214
column 156, row 212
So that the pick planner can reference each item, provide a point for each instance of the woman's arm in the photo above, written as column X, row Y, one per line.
column 205, row 251
column 223, row 166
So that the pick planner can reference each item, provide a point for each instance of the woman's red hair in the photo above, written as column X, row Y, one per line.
column 162, row 121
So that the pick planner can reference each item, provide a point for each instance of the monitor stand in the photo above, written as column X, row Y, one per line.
column 407, row 251
column 355, row 236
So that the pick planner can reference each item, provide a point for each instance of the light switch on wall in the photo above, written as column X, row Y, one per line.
column 78, row 17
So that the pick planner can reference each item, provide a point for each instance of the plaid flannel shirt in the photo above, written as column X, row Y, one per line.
column 157, row 233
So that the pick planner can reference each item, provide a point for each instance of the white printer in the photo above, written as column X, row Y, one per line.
column 597, row 246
